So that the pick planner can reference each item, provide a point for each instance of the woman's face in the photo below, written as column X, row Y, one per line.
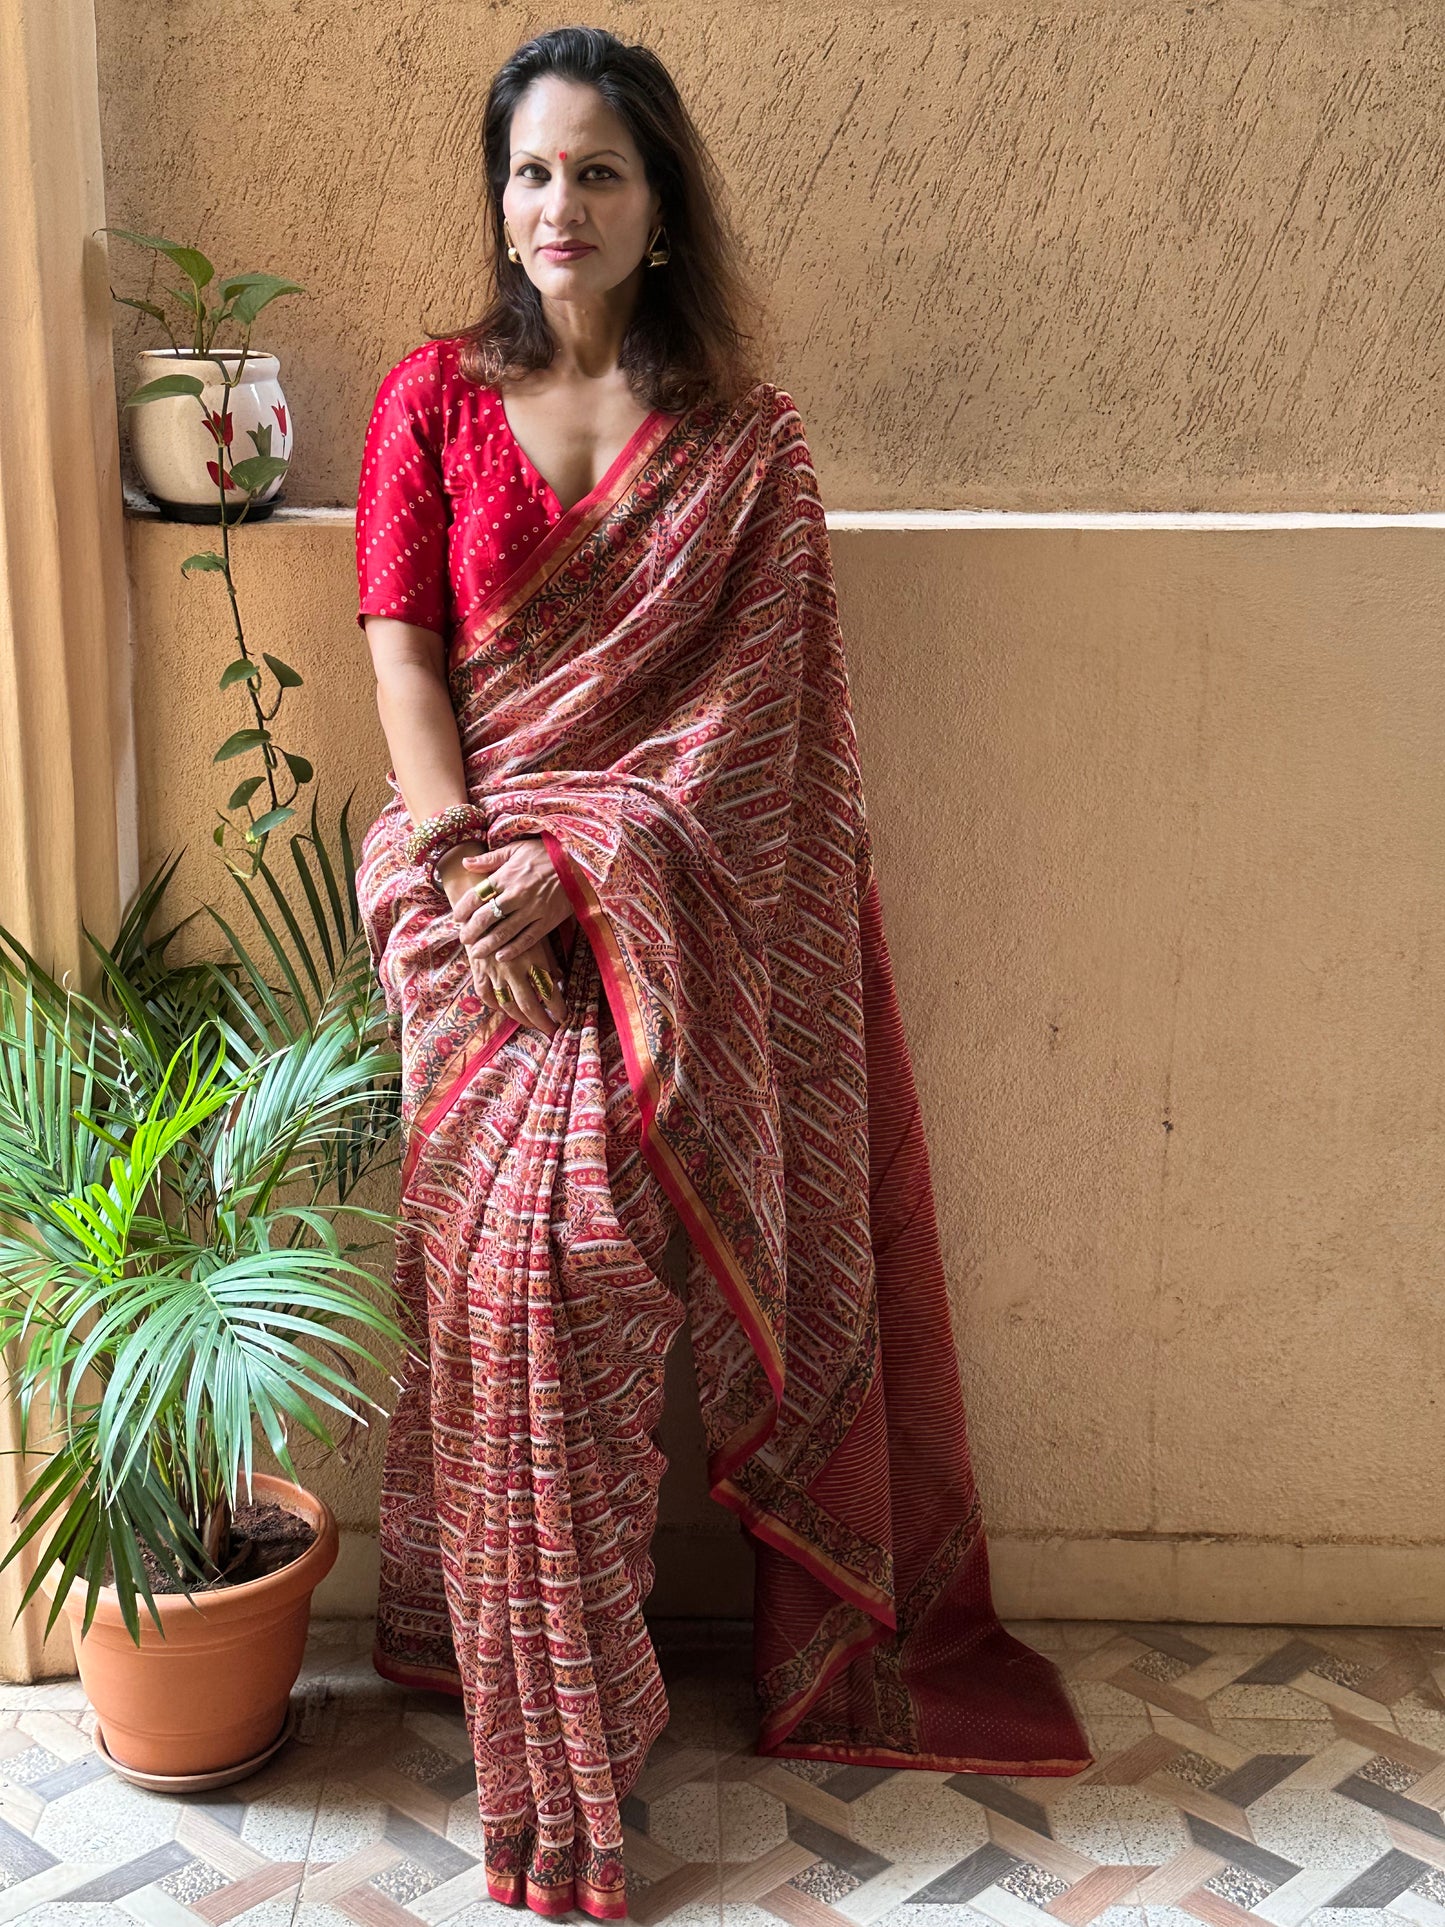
column 576, row 177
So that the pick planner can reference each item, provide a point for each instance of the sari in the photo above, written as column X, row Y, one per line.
column 658, row 690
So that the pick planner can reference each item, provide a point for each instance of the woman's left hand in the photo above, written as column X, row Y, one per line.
column 529, row 891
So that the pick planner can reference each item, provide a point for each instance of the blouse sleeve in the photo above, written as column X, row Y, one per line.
column 401, row 506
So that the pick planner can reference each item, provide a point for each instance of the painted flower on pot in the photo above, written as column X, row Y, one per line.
column 221, row 406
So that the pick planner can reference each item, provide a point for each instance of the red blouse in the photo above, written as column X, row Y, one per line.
column 447, row 503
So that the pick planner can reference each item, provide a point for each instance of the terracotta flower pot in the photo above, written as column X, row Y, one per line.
column 214, row 1693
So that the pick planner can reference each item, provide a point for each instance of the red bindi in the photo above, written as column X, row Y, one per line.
column 561, row 153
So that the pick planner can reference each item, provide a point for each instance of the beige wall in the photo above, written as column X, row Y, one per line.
column 1041, row 255
column 1158, row 820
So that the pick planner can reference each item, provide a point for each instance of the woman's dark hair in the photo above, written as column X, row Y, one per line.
column 685, row 342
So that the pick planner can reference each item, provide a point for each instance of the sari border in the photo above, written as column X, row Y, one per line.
column 782, row 1538
column 553, row 1903
column 772, row 1741
column 425, row 1679
column 780, row 1749
column 562, row 540
column 780, row 1722
column 474, row 1057
column 740, row 1447
column 646, row 1087
column 600, row 1902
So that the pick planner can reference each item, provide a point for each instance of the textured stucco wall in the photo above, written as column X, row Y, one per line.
column 1158, row 820
column 1044, row 254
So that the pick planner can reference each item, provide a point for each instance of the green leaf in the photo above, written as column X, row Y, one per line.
column 272, row 820
column 298, row 765
column 241, row 670
column 282, row 671
column 313, row 897
column 250, row 293
column 191, row 262
column 257, row 471
column 243, row 792
column 164, row 387
column 218, row 835
column 240, row 742
column 146, row 307
column 207, row 560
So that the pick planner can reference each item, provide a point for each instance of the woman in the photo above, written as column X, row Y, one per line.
column 622, row 906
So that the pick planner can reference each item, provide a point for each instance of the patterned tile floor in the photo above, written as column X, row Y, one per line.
column 1245, row 1774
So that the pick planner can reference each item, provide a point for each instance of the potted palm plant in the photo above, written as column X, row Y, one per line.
column 177, row 1158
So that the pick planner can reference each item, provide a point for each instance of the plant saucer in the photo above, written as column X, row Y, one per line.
column 197, row 1782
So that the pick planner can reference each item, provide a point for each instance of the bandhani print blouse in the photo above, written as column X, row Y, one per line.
column 448, row 502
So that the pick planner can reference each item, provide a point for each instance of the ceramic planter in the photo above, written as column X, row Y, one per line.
column 210, row 1701
column 176, row 453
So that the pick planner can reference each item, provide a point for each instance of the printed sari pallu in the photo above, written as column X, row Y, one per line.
column 659, row 691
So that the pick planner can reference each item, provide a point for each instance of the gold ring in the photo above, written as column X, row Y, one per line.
column 483, row 890
column 503, row 990
column 541, row 981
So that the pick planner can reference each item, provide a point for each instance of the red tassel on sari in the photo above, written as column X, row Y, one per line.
column 660, row 691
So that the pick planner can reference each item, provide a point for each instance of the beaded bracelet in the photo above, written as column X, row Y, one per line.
column 435, row 835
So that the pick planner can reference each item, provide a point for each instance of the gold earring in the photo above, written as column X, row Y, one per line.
column 512, row 254
column 655, row 258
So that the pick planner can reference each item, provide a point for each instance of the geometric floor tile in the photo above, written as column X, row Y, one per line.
column 1289, row 1776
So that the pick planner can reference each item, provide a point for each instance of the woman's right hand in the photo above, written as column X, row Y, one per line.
column 459, row 887
column 460, row 890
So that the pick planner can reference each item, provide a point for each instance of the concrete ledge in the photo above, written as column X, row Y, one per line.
column 1218, row 1581
column 844, row 520
column 1157, row 818
column 1200, row 1581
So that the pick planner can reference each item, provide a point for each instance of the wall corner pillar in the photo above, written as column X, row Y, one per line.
column 67, row 857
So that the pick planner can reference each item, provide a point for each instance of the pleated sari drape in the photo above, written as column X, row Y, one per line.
column 660, row 692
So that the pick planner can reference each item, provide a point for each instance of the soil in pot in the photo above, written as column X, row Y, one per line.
column 264, row 1538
